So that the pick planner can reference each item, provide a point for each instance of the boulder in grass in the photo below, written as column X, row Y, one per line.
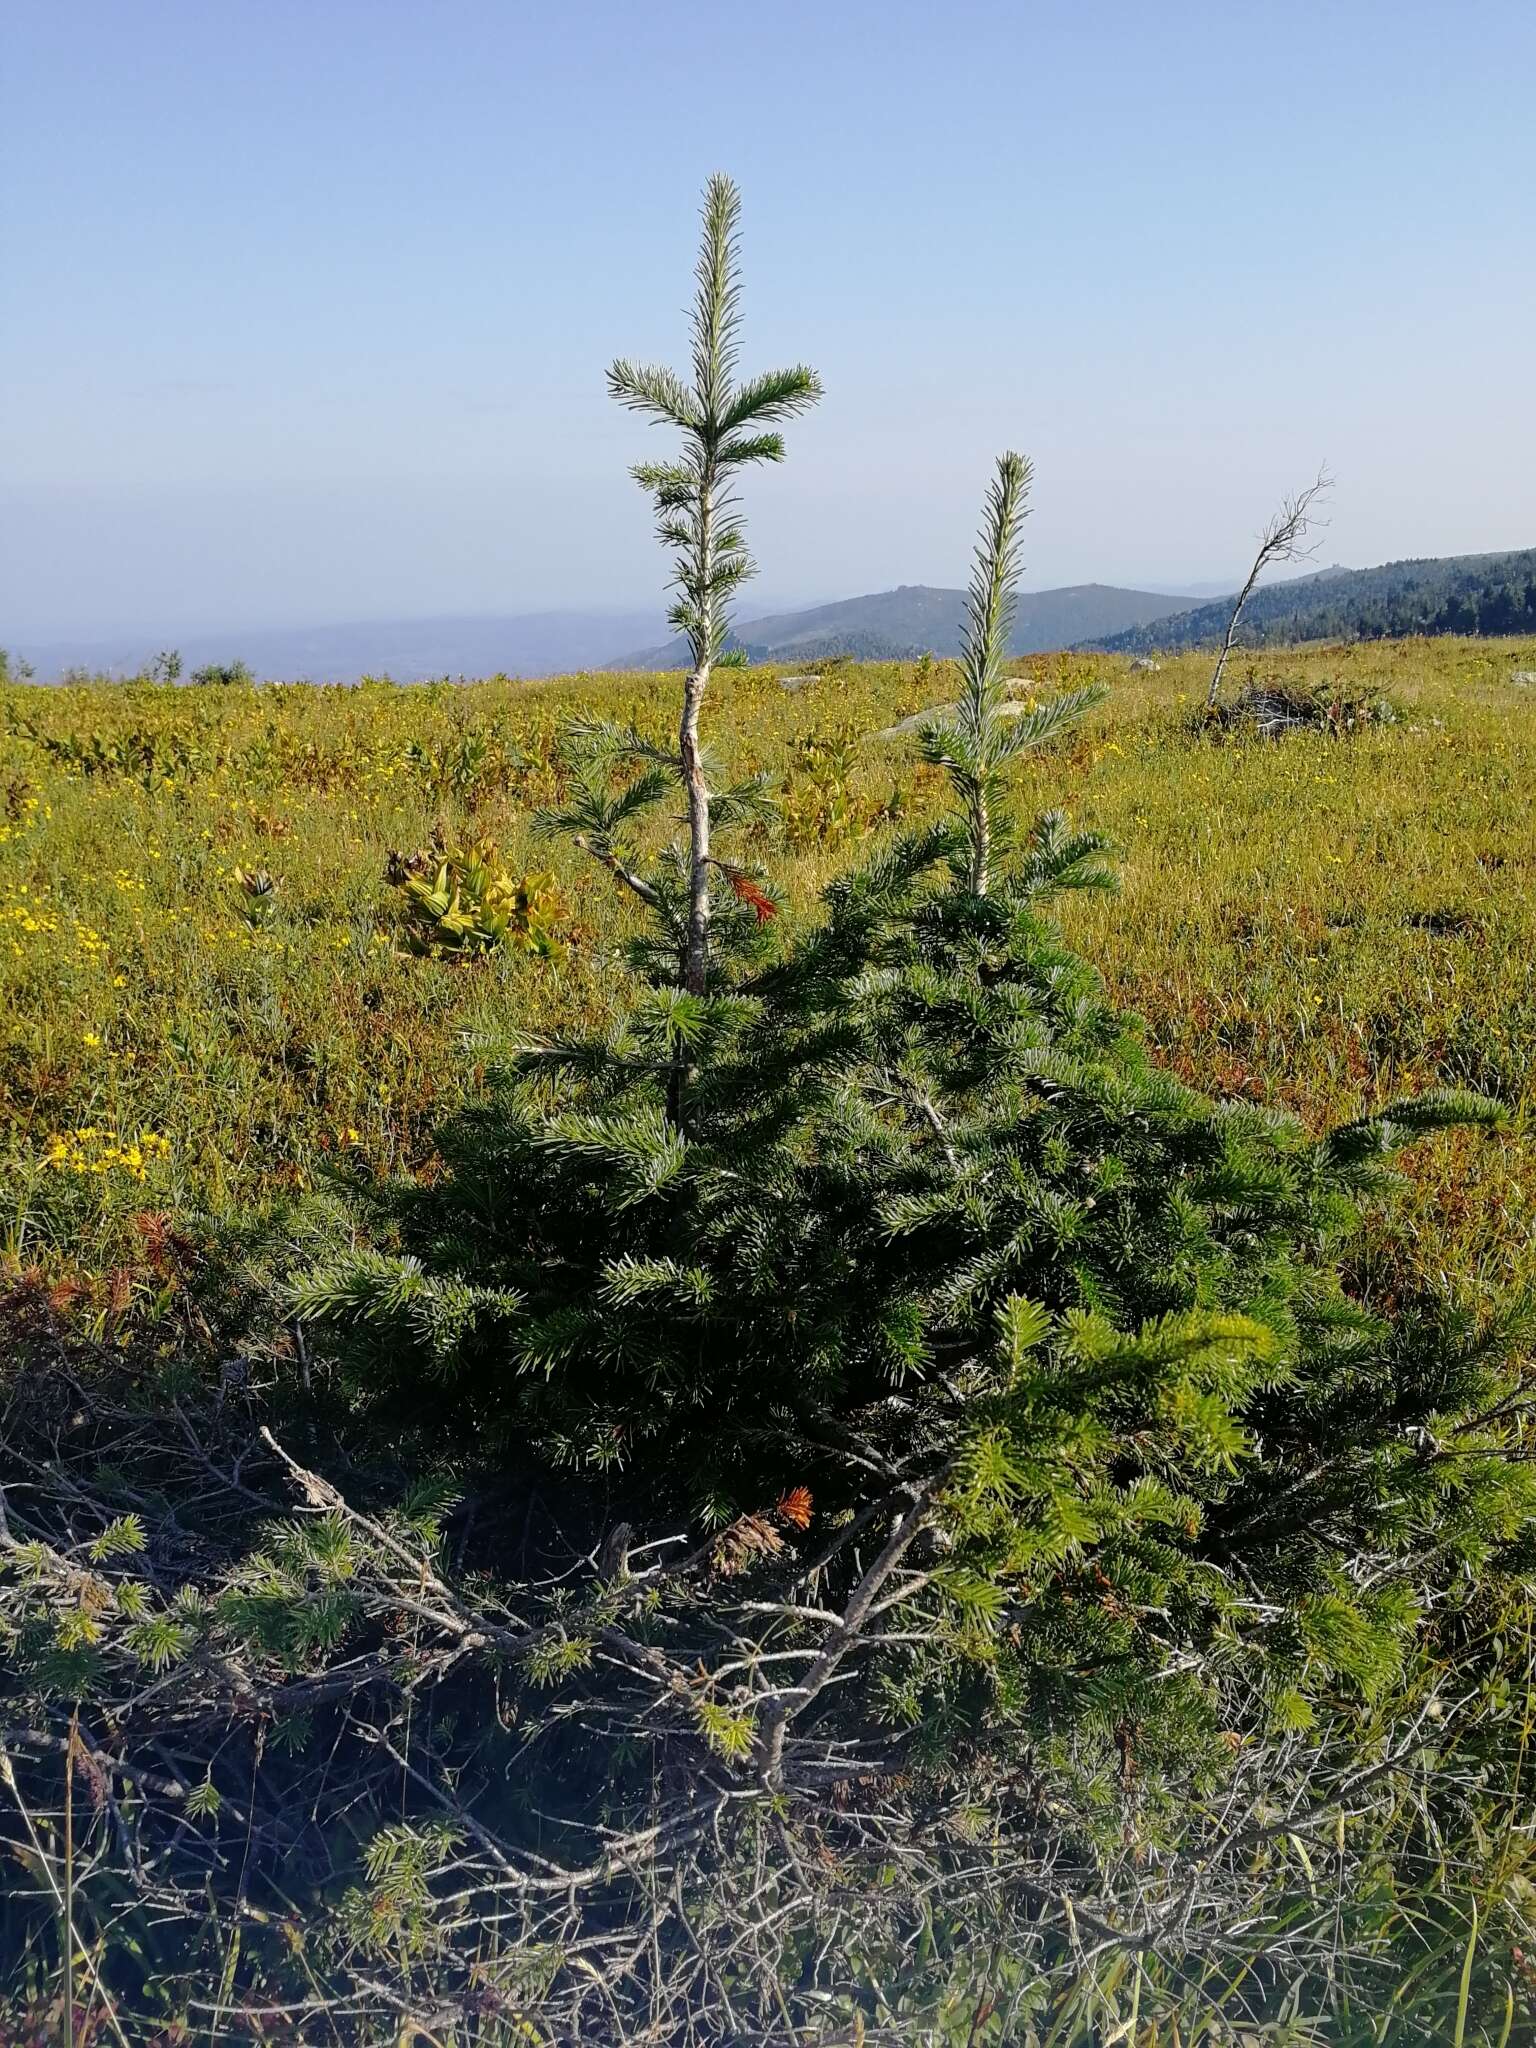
column 1144, row 665
column 1525, row 677
column 797, row 682
column 1021, row 691
column 916, row 722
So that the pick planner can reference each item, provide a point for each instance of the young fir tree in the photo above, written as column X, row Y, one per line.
column 1037, row 1472
column 939, row 1244
column 976, row 742
column 725, row 425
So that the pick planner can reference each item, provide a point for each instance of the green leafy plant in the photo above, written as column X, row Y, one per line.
column 465, row 769
column 461, row 901
column 148, row 755
column 820, row 804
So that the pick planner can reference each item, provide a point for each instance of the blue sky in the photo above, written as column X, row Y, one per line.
column 308, row 302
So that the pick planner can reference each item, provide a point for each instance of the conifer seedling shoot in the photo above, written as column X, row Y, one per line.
column 979, row 737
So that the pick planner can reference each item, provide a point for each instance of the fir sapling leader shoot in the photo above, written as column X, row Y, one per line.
column 725, row 425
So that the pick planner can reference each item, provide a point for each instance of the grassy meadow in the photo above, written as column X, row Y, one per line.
column 210, row 1008
column 1320, row 922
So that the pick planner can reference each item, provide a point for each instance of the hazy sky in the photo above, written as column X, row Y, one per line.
column 308, row 302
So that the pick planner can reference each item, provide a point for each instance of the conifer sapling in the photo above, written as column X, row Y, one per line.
column 725, row 425
column 980, row 736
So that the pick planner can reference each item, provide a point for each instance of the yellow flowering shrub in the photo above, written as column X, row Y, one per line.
column 92, row 1149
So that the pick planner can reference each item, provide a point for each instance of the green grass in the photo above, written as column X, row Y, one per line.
column 1324, row 923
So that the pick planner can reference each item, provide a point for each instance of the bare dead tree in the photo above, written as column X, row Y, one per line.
column 1284, row 539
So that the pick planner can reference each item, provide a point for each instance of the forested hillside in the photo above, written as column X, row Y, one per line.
column 1450, row 594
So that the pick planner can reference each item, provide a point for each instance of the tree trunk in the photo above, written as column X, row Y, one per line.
column 698, row 831
column 1237, row 612
column 696, row 962
column 981, row 846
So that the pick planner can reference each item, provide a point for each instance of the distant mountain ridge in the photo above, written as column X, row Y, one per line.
column 1428, row 594
column 410, row 650
column 1486, row 593
column 924, row 618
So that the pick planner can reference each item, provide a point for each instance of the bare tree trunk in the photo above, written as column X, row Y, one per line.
column 784, row 1707
column 1237, row 612
column 1283, row 540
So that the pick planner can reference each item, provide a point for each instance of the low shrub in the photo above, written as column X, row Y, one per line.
column 1270, row 710
column 460, row 900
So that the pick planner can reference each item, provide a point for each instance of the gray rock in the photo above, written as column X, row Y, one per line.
column 1145, row 665
column 915, row 723
column 797, row 682
column 1019, row 687
column 1525, row 677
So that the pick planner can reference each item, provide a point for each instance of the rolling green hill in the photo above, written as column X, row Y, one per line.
column 922, row 618
column 1444, row 594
